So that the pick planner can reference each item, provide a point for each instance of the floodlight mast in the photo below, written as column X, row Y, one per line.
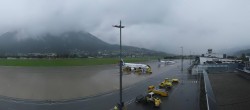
column 120, row 27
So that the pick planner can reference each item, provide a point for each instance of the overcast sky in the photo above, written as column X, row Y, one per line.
column 164, row 25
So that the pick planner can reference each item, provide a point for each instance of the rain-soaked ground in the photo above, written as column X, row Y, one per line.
column 56, row 83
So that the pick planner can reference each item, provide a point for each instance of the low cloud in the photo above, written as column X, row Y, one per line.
column 164, row 25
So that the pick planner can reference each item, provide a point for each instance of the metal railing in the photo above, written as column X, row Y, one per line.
column 207, row 98
column 210, row 98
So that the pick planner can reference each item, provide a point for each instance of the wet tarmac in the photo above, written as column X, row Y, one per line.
column 183, row 96
column 67, row 83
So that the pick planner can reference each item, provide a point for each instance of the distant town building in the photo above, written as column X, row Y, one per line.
column 42, row 55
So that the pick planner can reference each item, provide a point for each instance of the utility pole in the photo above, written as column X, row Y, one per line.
column 121, row 104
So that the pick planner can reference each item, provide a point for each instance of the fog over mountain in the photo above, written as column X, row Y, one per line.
column 61, row 44
column 65, row 44
column 163, row 25
column 243, row 51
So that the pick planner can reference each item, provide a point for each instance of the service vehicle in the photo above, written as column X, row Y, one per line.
column 159, row 92
column 166, row 83
column 149, row 98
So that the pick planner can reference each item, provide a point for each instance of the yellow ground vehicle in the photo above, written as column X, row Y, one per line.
column 148, row 70
column 149, row 98
column 157, row 91
column 166, row 83
column 157, row 101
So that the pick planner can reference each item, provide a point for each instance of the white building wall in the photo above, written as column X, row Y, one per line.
column 204, row 59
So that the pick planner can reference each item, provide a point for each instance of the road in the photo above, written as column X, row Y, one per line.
column 182, row 96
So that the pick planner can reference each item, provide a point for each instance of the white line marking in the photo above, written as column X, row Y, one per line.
column 126, row 103
column 129, row 102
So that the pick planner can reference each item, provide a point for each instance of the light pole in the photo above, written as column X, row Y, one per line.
column 190, row 57
column 120, row 26
column 181, row 58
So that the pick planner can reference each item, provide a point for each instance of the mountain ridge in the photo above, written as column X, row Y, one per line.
column 64, row 43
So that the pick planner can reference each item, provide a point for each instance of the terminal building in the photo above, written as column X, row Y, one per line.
column 214, row 58
column 223, row 82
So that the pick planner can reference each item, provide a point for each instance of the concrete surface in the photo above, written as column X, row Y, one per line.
column 231, row 90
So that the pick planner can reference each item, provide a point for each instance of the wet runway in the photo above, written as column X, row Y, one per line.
column 65, row 83
column 182, row 96
column 47, row 83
